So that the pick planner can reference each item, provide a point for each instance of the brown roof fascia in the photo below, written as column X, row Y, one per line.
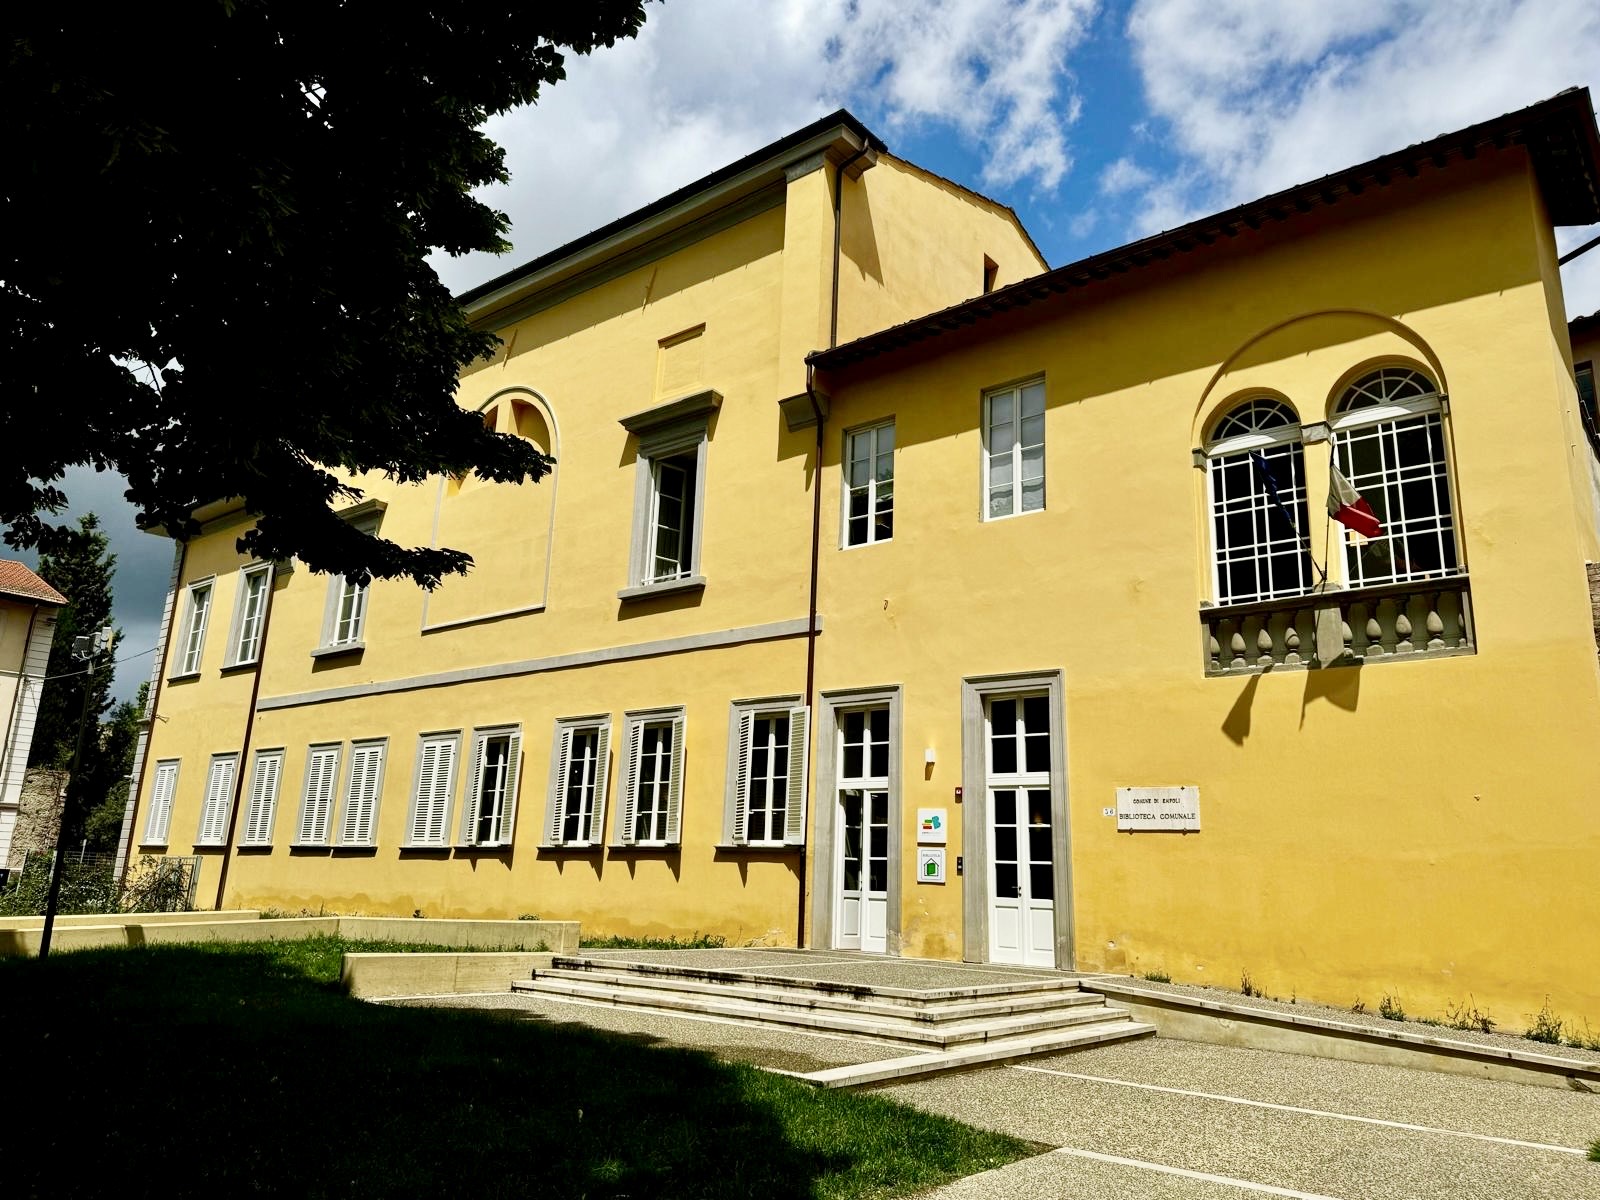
column 1583, row 326
column 1559, row 133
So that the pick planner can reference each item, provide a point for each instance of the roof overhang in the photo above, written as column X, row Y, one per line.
column 835, row 139
column 1559, row 135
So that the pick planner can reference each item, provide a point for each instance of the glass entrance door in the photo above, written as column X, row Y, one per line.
column 1021, row 831
column 862, row 904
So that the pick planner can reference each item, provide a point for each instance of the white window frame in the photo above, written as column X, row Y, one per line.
column 217, row 801
column 742, row 718
column 433, row 791
column 680, row 427
column 1430, row 405
column 344, row 629
column 1291, row 491
column 666, row 799
column 594, row 782
column 1017, row 453
column 196, row 616
column 163, row 788
column 315, row 825
column 363, row 792
column 248, row 629
column 872, row 436
column 261, row 808
column 511, row 782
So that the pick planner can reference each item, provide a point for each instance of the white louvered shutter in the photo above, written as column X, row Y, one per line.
column 557, row 807
column 630, row 784
column 214, row 810
column 263, row 799
column 602, row 779
column 161, row 793
column 508, row 812
column 675, row 784
column 794, row 814
column 469, row 806
column 361, row 796
column 741, row 780
column 430, row 810
column 317, row 804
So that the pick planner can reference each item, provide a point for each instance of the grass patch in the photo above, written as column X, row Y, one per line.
column 1389, row 1008
column 1594, row 1150
column 320, row 1095
column 698, row 941
column 1158, row 977
column 1546, row 1026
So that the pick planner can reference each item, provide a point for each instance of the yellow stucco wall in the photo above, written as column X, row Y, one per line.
column 1426, row 829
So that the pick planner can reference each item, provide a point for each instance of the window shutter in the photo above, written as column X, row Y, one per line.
column 317, row 806
column 630, row 784
column 675, row 784
column 741, row 781
column 602, row 776
column 794, row 819
column 469, row 806
column 508, row 813
column 263, row 799
column 166, row 782
column 214, row 812
column 361, row 796
column 423, row 804
column 557, row 807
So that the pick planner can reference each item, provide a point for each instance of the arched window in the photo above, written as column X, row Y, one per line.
column 1388, row 441
column 1257, row 482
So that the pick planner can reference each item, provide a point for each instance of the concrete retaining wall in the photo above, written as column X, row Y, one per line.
column 1226, row 1024
column 77, row 920
column 560, row 937
column 378, row 976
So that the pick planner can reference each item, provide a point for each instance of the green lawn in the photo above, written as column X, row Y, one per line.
column 243, row 1070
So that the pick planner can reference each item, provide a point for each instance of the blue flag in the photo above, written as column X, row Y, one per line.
column 1259, row 460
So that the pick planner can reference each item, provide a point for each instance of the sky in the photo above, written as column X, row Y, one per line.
column 1098, row 121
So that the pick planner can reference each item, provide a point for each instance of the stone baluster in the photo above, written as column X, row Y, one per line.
column 1402, row 626
column 1236, row 660
column 1363, row 629
column 1433, row 623
column 1213, row 649
column 1380, row 629
column 1266, row 641
column 1455, row 633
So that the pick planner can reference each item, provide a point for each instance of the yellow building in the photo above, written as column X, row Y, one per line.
column 1055, row 658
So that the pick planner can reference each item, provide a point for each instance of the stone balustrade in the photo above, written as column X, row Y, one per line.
column 1339, row 628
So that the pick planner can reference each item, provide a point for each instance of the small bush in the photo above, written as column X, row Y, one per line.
column 1359, row 1007
column 1389, row 1008
column 1467, row 1015
column 1594, row 1150
column 1248, row 986
column 1546, row 1027
column 527, row 916
column 1158, row 977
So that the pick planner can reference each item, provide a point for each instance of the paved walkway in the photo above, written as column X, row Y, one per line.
column 1171, row 1120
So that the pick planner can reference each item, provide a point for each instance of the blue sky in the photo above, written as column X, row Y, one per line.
column 1099, row 122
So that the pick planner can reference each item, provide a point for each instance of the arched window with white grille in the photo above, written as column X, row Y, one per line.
column 1256, row 481
column 1388, row 441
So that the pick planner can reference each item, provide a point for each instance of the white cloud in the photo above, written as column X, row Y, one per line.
column 707, row 82
column 1259, row 95
column 1124, row 175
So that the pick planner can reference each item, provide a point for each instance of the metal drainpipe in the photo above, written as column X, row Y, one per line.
column 816, row 506
column 150, row 719
column 244, row 745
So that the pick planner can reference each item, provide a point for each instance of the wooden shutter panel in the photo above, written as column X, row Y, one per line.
column 161, row 791
column 741, row 781
column 675, row 784
column 556, row 809
column 602, row 776
column 263, row 799
column 630, row 784
column 317, row 805
column 423, row 803
column 214, row 810
column 444, row 781
column 469, row 805
column 508, row 813
column 361, row 796
column 794, row 816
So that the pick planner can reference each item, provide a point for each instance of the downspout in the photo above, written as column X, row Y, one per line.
column 244, row 744
column 125, row 843
column 816, row 505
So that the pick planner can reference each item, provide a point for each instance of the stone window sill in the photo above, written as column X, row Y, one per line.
column 667, row 587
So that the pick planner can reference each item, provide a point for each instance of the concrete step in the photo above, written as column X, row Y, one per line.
column 962, row 1058
column 873, row 1027
column 976, row 991
column 929, row 1012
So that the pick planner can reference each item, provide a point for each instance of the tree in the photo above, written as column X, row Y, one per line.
column 80, row 567
column 217, row 217
column 105, row 774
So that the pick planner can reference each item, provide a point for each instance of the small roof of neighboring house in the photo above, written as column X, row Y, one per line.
column 1559, row 134
column 20, row 583
column 1583, row 326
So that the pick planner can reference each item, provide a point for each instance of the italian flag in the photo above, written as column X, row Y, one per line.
column 1346, row 506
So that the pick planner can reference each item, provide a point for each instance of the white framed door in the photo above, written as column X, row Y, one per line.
column 1021, row 834
column 861, row 908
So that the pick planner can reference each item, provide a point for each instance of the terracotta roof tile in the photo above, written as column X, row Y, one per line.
column 17, row 580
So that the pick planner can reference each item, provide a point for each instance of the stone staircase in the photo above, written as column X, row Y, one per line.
column 940, row 1028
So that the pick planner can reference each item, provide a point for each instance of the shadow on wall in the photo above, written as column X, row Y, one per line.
column 1338, row 686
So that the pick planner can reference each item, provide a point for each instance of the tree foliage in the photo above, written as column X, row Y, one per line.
column 104, row 775
column 217, row 217
column 80, row 567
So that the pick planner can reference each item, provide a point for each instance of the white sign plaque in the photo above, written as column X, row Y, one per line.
column 932, row 826
column 1158, row 809
column 930, row 864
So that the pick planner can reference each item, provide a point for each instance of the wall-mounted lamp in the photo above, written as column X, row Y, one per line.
column 929, row 757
